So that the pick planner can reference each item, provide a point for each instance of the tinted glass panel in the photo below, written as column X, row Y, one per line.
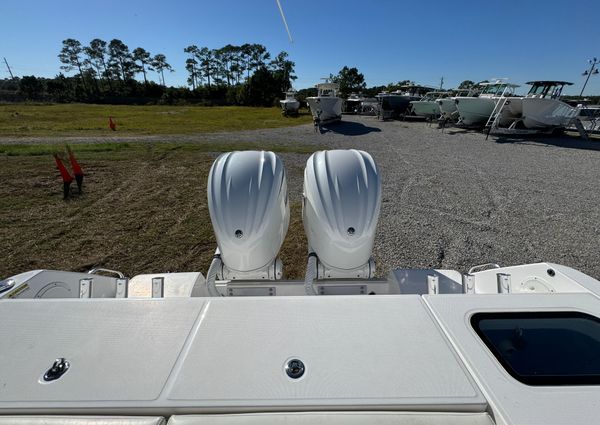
column 549, row 348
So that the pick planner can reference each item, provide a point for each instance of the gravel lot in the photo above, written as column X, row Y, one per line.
column 452, row 199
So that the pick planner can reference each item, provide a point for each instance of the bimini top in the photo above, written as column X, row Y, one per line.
column 549, row 82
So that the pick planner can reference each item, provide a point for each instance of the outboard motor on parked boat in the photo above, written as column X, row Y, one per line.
column 342, row 199
column 250, row 214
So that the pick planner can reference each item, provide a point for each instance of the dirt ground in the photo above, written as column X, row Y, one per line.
column 142, row 210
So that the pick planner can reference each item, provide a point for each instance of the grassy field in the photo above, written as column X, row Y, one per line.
column 143, row 208
column 92, row 120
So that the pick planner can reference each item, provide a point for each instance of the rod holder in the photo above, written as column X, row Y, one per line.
column 433, row 284
column 85, row 288
column 158, row 287
column 468, row 283
column 122, row 288
column 503, row 283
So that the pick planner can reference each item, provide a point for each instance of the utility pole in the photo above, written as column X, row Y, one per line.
column 8, row 67
column 589, row 72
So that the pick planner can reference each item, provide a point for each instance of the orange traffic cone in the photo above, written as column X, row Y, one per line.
column 76, row 169
column 66, row 177
column 112, row 124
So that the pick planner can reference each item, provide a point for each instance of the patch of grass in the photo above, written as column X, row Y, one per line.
column 23, row 149
column 239, row 146
column 49, row 149
column 92, row 120
column 294, row 252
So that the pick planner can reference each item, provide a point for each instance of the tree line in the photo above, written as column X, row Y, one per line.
column 111, row 72
column 109, row 64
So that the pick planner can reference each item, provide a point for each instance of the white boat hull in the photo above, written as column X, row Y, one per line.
column 513, row 107
column 325, row 108
column 425, row 108
column 290, row 106
column 475, row 110
column 447, row 105
column 539, row 113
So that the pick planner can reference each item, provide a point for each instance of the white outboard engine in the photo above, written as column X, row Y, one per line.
column 342, row 199
column 250, row 214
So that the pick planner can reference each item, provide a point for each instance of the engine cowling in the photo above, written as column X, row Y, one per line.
column 342, row 199
column 249, row 210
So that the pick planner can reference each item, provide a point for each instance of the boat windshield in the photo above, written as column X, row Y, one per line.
column 546, row 90
column 327, row 89
column 465, row 92
column 494, row 89
column 434, row 95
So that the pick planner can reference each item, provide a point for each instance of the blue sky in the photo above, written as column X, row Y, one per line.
column 387, row 40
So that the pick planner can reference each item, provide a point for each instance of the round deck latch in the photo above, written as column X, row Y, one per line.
column 294, row 368
column 58, row 369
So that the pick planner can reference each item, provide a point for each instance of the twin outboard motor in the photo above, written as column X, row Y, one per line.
column 250, row 214
column 249, row 210
column 342, row 199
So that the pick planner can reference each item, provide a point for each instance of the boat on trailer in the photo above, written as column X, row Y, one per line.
column 353, row 104
column 476, row 110
column 290, row 105
column 447, row 105
column 540, row 111
column 395, row 104
column 360, row 105
column 428, row 106
column 327, row 105
column 242, row 345
column 542, row 108
column 589, row 116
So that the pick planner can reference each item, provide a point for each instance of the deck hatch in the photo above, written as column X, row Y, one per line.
column 544, row 348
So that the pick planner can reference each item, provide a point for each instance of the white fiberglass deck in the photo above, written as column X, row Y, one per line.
column 198, row 355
